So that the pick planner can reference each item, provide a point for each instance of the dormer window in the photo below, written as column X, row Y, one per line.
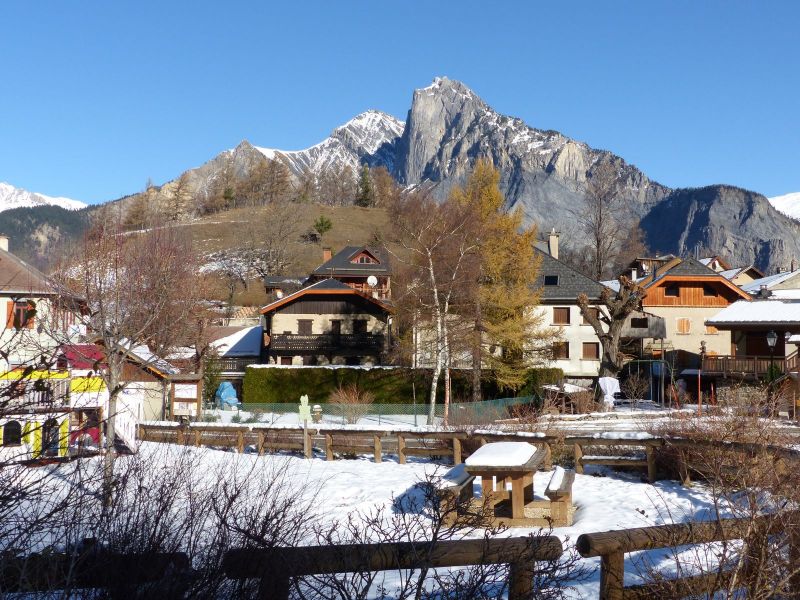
column 364, row 258
column 672, row 290
column 709, row 291
column 551, row 279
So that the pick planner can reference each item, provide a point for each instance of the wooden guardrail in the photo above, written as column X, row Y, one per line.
column 275, row 567
column 611, row 547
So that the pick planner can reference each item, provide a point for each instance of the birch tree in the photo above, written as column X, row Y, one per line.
column 433, row 243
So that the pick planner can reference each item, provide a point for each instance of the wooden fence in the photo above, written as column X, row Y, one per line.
column 611, row 547
column 455, row 445
column 275, row 567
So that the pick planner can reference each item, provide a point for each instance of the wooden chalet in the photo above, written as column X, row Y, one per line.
column 326, row 323
column 686, row 293
column 362, row 268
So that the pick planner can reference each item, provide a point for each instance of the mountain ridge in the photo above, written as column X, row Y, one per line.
column 544, row 173
column 14, row 197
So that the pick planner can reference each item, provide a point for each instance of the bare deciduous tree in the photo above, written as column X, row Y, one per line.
column 140, row 291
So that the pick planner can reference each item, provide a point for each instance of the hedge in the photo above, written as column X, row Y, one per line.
column 276, row 384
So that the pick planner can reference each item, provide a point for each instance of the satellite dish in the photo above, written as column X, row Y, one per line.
column 372, row 281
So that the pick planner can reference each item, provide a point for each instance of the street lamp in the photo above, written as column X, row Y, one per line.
column 699, row 371
column 772, row 339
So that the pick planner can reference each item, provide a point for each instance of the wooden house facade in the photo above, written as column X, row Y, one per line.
column 326, row 323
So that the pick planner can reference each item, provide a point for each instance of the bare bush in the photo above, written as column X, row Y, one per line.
column 749, row 469
column 353, row 401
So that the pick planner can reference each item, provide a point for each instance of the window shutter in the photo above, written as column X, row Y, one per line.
column 30, row 315
column 10, row 314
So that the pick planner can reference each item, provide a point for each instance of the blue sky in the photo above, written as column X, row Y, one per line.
column 97, row 97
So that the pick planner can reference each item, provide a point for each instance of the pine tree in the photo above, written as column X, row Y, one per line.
column 366, row 193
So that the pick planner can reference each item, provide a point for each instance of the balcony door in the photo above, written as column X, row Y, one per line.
column 336, row 327
column 360, row 326
column 304, row 326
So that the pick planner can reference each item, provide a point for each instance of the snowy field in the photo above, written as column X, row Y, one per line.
column 334, row 490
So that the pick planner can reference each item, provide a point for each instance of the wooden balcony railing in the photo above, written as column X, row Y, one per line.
column 757, row 366
column 236, row 364
column 326, row 342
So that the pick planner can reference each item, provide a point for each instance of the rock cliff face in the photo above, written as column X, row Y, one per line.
column 543, row 172
column 724, row 220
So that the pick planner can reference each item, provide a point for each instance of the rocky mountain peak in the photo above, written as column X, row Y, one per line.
column 14, row 197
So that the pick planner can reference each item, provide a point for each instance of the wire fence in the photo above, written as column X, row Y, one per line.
column 460, row 413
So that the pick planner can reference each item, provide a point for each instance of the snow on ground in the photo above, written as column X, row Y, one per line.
column 604, row 500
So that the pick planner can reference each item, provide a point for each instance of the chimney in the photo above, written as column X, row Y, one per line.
column 326, row 254
column 634, row 274
column 552, row 243
column 3, row 242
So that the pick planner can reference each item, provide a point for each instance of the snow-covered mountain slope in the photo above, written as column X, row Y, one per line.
column 788, row 204
column 13, row 197
column 370, row 135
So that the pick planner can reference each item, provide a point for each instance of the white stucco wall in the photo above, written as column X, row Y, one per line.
column 574, row 334
column 322, row 323
column 719, row 342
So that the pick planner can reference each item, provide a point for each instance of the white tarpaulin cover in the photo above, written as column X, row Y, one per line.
column 610, row 386
column 501, row 454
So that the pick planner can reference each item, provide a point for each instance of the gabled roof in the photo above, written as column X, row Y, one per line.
column 19, row 278
column 324, row 287
column 242, row 341
column 570, row 284
column 731, row 274
column 758, row 312
column 341, row 263
column 687, row 268
column 770, row 281
column 86, row 356
column 722, row 262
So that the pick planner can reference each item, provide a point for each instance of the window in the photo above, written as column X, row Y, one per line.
column 684, row 325
column 591, row 351
column 360, row 326
column 286, row 360
column 560, row 350
column 595, row 312
column 336, row 327
column 364, row 259
column 561, row 315
column 551, row 279
column 12, row 433
column 304, row 326
column 20, row 315
column 709, row 291
column 672, row 290
column 639, row 323
column 711, row 330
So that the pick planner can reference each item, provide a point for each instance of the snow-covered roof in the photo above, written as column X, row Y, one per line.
column 245, row 342
column 760, row 312
column 793, row 294
column 771, row 280
column 795, row 339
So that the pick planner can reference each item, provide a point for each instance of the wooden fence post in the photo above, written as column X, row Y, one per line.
column 310, row 446
column 578, row 457
column 378, row 448
column 179, row 436
column 612, row 576
column 520, row 580
column 260, row 443
column 276, row 586
column 240, row 441
column 651, row 463
column 197, row 434
column 548, row 457
column 142, row 433
column 456, row 451
column 329, row 447
column 401, row 449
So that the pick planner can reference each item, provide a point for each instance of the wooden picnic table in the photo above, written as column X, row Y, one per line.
column 506, row 462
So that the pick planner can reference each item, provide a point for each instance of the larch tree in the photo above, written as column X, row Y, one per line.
column 506, row 329
column 608, row 328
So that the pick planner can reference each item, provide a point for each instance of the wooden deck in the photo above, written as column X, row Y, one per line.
column 749, row 366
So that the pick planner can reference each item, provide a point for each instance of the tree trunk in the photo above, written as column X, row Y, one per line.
column 446, row 395
column 476, row 356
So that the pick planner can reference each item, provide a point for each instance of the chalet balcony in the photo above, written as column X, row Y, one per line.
column 236, row 364
column 749, row 366
column 354, row 343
